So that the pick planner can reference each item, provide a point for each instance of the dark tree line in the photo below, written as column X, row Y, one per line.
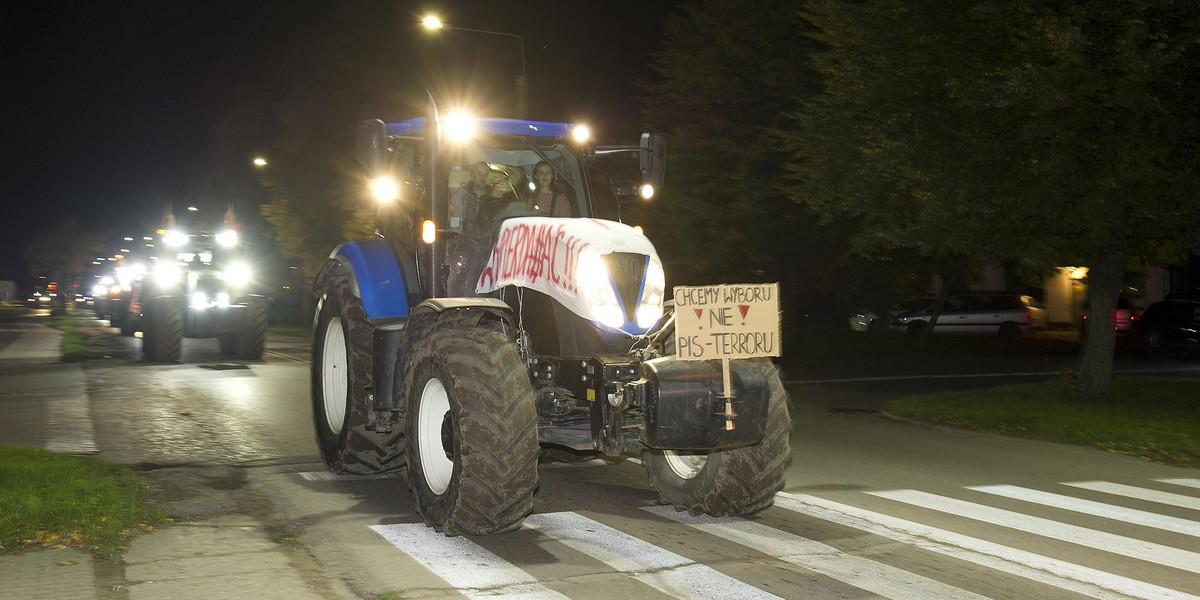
column 1046, row 133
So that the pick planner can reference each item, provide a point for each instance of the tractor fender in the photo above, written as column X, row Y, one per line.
column 395, row 343
column 386, row 285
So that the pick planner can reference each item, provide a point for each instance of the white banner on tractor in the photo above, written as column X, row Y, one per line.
column 542, row 253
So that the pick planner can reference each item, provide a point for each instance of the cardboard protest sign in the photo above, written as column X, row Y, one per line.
column 727, row 321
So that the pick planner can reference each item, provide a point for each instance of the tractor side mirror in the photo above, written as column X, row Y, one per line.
column 372, row 148
column 652, row 156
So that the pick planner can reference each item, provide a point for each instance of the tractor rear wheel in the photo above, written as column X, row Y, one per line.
column 728, row 482
column 341, row 374
column 471, row 428
column 162, row 336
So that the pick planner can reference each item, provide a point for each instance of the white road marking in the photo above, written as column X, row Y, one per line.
column 1138, row 493
column 595, row 462
column 1044, row 569
column 1099, row 509
column 1100, row 540
column 862, row 573
column 286, row 356
column 331, row 476
column 657, row 567
column 1186, row 481
column 474, row 571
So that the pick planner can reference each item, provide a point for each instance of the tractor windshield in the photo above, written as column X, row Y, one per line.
column 518, row 168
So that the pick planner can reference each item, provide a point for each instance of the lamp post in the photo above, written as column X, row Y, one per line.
column 433, row 23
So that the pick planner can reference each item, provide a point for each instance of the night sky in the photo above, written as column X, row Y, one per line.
column 108, row 107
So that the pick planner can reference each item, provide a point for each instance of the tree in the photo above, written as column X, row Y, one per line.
column 730, row 73
column 1049, row 133
column 60, row 253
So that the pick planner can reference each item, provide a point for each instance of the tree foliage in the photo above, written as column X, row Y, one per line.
column 1052, row 133
column 729, row 75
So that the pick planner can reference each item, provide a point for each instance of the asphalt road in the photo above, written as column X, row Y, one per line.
column 873, row 507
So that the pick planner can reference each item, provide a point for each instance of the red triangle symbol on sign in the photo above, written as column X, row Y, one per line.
column 744, row 308
column 699, row 312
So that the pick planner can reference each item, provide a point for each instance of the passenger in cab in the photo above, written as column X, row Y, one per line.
column 548, row 198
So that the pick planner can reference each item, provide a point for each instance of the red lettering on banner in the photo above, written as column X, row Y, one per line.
column 529, row 253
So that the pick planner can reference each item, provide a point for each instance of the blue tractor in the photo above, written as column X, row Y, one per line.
column 472, row 332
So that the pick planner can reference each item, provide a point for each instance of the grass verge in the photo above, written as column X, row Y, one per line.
column 56, row 500
column 13, row 311
column 1155, row 418
column 73, row 347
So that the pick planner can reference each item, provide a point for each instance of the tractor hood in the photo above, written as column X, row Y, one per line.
column 545, row 254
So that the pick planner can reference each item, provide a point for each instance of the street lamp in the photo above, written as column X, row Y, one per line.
column 433, row 23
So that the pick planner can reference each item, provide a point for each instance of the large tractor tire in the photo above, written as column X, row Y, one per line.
column 252, row 333
column 162, row 335
column 728, row 482
column 471, row 433
column 341, row 374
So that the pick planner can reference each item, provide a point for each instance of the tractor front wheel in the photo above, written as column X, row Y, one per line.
column 162, row 336
column 728, row 482
column 471, row 430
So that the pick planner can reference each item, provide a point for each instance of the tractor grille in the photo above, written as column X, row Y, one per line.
column 627, row 270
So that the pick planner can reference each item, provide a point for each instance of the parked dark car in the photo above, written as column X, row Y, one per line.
column 1171, row 324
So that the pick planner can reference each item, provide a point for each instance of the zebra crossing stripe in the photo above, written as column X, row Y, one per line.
column 1099, row 509
column 472, row 570
column 1187, row 481
column 657, row 567
column 1050, row 571
column 1138, row 493
column 1100, row 540
column 862, row 573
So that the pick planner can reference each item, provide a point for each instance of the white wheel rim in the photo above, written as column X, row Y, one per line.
column 430, row 414
column 334, row 377
column 686, row 466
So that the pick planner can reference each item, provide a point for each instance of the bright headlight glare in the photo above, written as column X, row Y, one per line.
column 237, row 274
column 650, row 309
column 99, row 291
column 167, row 274
column 459, row 127
column 222, row 299
column 175, row 239
column 646, row 191
column 385, row 189
column 581, row 133
column 227, row 238
column 199, row 300
column 596, row 288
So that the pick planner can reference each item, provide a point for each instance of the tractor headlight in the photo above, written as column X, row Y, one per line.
column 650, row 309
column 459, row 127
column 227, row 238
column 598, row 291
column 237, row 274
column 175, row 239
column 167, row 274
column 99, row 291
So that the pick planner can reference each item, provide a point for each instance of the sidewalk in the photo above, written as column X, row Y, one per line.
column 44, row 404
column 219, row 553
